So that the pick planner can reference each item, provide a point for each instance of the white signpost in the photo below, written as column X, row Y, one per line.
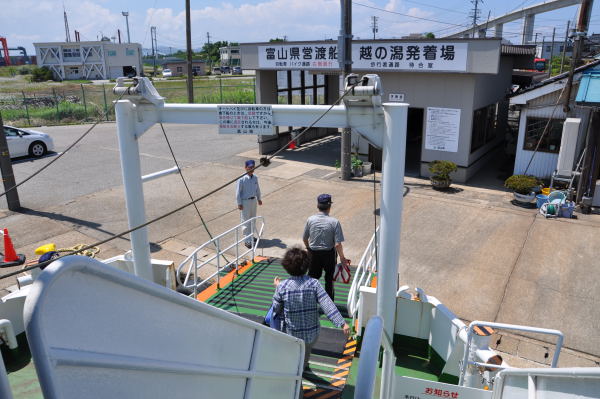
column 374, row 56
column 245, row 119
column 442, row 129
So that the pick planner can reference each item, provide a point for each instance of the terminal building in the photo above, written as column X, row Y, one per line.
column 90, row 60
column 456, row 88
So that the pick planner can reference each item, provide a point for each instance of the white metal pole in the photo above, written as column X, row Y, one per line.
column 394, row 154
column 132, row 184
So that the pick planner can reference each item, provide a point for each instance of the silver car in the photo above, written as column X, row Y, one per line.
column 23, row 142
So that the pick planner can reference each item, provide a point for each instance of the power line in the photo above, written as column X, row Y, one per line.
column 265, row 161
column 407, row 15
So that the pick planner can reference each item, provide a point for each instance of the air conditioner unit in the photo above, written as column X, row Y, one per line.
column 568, row 145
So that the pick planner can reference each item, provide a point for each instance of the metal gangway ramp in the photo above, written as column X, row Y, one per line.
column 97, row 332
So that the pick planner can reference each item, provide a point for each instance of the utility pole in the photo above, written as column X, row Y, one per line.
column 374, row 25
column 8, row 177
column 67, row 33
column 564, row 52
column 535, row 40
column 551, row 53
column 543, row 47
column 126, row 15
column 345, row 59
column 208, row 37
column 188, row 42
column 476, row 11
column 583, row 22
column 154, row 47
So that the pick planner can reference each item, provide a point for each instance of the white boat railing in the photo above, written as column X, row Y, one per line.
column 367, row 366
column 362, row 276
column 468, row 356
column 226, row 241
column 576, row 382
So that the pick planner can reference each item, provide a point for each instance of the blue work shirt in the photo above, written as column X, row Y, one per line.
column 247, row 187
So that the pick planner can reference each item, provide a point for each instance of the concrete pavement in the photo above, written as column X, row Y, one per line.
column 483, row 257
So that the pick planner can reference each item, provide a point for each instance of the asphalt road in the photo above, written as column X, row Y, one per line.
column 93, row 165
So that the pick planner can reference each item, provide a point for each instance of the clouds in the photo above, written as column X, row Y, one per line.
column 238, row 21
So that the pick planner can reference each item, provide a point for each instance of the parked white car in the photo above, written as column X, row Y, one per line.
column 167, row 73
column 23, row 142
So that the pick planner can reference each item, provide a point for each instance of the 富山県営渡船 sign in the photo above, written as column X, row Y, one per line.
column 375, row 56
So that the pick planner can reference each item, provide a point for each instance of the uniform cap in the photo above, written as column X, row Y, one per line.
column 324, row 199
column 250, row 163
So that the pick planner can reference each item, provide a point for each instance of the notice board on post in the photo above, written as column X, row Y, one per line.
column 442, row 129
column 245, row 119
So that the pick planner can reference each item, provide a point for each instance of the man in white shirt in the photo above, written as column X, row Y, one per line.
column 247, row 196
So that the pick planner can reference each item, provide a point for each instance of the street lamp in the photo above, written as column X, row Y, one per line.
column 126, row 15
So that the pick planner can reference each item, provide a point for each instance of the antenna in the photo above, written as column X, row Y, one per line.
column 374, row 25
column 67, row 34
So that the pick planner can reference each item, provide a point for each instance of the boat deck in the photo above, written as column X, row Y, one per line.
column 251, row 294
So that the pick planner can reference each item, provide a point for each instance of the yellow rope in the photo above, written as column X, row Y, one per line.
column 91, row 252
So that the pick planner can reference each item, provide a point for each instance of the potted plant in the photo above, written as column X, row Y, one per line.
column 367, row 168
column 440, row 173
column 523, row 187
column 357, row 164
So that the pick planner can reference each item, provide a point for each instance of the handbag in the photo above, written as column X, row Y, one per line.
column 342, row 273
column 273, row 320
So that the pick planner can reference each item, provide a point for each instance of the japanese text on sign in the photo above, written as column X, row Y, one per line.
column 442, row 129
column 396, row 56
column 413, row 388
column 245, row 119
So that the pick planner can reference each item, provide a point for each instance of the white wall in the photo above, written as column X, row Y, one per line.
column 544, row 163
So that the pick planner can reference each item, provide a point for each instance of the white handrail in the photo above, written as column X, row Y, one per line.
column 367, row 366
column 578, row 373
column 194, row 264
column 504, row 326
column 366, row 266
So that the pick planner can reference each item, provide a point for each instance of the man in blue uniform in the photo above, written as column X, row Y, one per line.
column 323, row 237
column 247, row 196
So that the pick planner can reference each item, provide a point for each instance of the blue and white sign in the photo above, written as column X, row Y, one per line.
column 375, row 56
column 245, row 119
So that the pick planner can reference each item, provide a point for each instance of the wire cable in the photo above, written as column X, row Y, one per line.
column 264, row 162
column 100, row 119
column 187, row 187
column 410, row 16
column 545, row 129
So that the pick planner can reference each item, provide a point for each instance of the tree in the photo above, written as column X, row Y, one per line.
column 210, row 51
column 276, row 40
column 41, row 74
column 429, row 35
column 555, row 64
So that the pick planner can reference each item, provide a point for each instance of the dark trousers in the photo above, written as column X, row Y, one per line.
column 323, row 260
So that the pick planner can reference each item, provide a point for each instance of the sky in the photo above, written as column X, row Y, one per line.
column 24, row 22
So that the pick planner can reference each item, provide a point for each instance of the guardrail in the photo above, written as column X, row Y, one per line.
column 367, row 366
column 191, row 280
column 362, row 276
column 467, row 356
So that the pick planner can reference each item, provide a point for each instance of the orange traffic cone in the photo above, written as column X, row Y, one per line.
column 10, row 255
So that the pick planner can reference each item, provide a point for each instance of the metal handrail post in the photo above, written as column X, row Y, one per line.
column 218, row 245
column 237, row 252
column 195, row 266
column 252, row 225
column 467, row 355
